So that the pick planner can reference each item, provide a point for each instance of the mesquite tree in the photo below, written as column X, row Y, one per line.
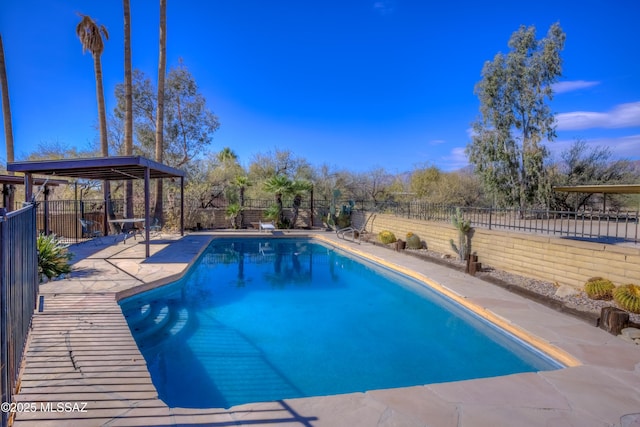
column 507, row 147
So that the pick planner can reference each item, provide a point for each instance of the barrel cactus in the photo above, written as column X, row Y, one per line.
column 386, row 237
column 599, row 288
column 628, row 297
column 413, row 241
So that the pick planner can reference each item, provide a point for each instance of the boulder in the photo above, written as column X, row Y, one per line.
column 566, row 291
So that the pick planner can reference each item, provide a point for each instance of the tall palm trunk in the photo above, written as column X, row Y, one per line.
column 128, row 117
column 102, row 121
column 162, row 69
column 8, row 127
column 102, row 111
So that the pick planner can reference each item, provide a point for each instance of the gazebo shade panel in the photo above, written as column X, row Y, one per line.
column 614, row 189
column 99, row 168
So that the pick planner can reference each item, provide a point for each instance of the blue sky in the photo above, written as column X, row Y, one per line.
column 354, row 83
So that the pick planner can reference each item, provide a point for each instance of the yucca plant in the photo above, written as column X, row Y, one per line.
column 53, row 256
column 599, row 288
column 628, row 297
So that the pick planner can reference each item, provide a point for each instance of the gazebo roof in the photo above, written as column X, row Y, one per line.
column 105, row 169
column 19, row 180
column 98, row 168
column 614, row 188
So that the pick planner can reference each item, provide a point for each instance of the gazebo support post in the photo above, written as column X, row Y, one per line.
column 47, row 231
column 28, row 187
column 147, row 175
column 182, row 206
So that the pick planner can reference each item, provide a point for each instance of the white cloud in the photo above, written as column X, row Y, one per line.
column 457, row 159
column 622, row 116
column 384, row 7
column 626, row 147
column 570, row 86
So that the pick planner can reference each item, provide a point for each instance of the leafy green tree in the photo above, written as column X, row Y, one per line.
column 189, row 125
column 264, row 166
column 424, row 181
column 507, row 145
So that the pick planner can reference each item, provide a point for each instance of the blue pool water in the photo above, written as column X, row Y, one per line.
column 268, row 319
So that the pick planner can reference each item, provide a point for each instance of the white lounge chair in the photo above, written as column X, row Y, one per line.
column 266, row 226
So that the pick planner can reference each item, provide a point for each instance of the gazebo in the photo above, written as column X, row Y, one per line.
column 601, row 188
column 103, row 169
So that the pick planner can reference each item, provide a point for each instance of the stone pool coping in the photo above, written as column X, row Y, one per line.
column 80, row 350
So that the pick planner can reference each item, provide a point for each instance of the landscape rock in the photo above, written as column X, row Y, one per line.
column 633, row 333
column 566, row 291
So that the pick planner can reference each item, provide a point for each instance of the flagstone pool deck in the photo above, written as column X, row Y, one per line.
column 83, row 368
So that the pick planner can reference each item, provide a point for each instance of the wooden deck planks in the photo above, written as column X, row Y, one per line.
column 81, row 353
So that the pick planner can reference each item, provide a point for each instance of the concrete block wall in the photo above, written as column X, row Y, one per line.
column 550, row 258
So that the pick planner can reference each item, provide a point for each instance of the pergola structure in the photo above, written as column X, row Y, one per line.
column 103, row 169
column 601, row 188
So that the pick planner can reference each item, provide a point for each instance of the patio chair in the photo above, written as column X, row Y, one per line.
column 155, row 229
column 356, row 233
column 90, row 229
column 266, row 226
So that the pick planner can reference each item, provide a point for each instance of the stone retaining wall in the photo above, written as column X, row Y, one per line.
column 551, row 258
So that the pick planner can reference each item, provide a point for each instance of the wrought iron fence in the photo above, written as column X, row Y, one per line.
column 18, row 294
column 63, row 216
column 609, row 226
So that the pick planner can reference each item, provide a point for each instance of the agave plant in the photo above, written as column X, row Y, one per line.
column 53, row 256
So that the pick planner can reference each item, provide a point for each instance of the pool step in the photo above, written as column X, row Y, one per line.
column 137, row 315
column 165, row 322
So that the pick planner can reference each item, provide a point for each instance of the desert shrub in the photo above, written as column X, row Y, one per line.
column 628, row 297
column 413, row 241
column 386, row 237
column 599, row 288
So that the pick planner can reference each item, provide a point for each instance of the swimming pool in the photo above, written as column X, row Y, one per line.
column 268, row 319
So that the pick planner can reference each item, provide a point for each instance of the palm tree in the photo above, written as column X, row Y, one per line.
column 91, row 36
column 242, row 182
column 8, row 128
column 227, row 156
column 298, row 188
column 162, row 70
column 278, row 185
column 128, row 100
